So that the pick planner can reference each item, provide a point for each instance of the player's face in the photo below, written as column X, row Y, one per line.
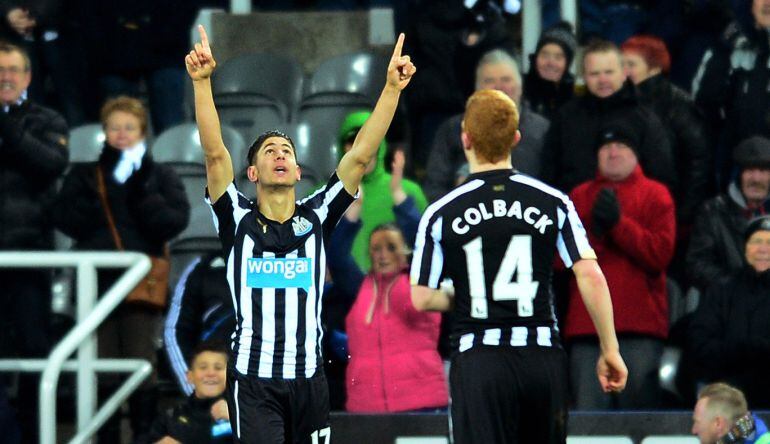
column 603, row 73
column 636, row 67
column 704, row 424
column 758, row 251
column 276, row 164
column 386, row 249
column 499, row 76
column 551, row 62
column 14, row 77
column 123, row 130
column 755, row 184
column 760, row 9
column 616, row 161
column 207, row 374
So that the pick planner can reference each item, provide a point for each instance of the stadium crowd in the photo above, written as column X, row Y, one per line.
column 668, row 167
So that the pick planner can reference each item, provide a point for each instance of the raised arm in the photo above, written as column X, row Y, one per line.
column 219, row 167
column 353, row 165
column 610, row 369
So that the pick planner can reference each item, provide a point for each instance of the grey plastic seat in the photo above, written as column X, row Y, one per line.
column 322, row 125
column 180, row 146
column 85, row 143
column 599, row 440
column 349, row 79
column 256, row 92
column 201, row 223
column 183, row 251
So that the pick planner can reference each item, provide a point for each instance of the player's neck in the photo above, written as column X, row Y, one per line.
column 276, row 203
column 476, row 167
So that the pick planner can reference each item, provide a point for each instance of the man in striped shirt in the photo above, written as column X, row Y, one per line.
column 494, row 237
column 276, row 262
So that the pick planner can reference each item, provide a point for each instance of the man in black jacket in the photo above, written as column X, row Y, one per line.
column 33, row 146
column 716, row 242
column 728, row 334
column 569, row 151
column 201, row 310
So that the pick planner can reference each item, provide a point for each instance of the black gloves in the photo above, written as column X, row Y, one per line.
column 605, row 213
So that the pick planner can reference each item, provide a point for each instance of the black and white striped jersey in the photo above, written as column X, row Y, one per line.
column 495, row 238
column 276, row 275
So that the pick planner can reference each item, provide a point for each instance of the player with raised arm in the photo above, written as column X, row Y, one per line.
column 276, row 261
column 495, row 237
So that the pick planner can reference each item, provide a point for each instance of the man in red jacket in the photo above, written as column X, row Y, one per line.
column 631, row 224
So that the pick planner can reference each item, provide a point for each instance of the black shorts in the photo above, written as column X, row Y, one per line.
column 509, row 395
column 273, row 410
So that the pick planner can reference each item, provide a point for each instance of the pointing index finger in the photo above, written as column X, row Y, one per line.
column 399, row 45
column 204, row 37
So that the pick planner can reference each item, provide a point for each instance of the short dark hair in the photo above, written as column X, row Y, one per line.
column 599, row 46
column 213, row 346
column 8, row 47
column 261, row 139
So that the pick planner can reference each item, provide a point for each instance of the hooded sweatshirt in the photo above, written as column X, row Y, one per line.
column 377, row 206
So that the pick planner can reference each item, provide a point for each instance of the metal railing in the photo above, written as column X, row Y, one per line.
column 89, row 315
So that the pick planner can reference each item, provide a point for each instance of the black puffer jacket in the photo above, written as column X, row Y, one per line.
column 716, row 243
column 191, row 423
column 731, row 84
column 149, row 209
column 33, row 146
column 571, row 144
column 728, row 334
column 687, row 132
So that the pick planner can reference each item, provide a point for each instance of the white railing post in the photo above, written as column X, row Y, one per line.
column 531, row 22
column 87, row 352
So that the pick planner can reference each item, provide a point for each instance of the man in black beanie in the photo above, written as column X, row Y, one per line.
column 716, row 245
column 549, row 84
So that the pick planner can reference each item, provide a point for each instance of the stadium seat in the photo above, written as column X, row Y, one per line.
column 256, row 92
column 672, row 439
column 201, row 221
column 322, row 125
column 180, row 147
column 599, row 440
column 183, row 251
column 354, row 79
column 86, row 142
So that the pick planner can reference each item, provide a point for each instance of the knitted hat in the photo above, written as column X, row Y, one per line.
column 753, row 152
column 757, row 224
column 562, row 35
column 619, row 131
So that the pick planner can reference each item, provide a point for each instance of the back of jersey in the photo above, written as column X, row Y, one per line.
column 495, row 237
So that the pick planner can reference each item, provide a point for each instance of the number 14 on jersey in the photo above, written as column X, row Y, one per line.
column 517, row 259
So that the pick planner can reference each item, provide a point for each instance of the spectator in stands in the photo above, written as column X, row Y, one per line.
column 377, row 208
column 647, row 63
column 631, row 225
column 450, row 38
column 716, row 245
column 200, row 310
column 569, row 152
column 49, row 31
column 496, row 70
column 548, row 85
column 728, row 334
column 135, row 42
column 731, row 85
column 394, row 362
column 203, row 418
column 722, row 415
column 33, row 142
column 148, row 206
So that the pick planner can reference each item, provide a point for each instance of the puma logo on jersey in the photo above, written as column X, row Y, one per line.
column 475, row 215
column 279, row 273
